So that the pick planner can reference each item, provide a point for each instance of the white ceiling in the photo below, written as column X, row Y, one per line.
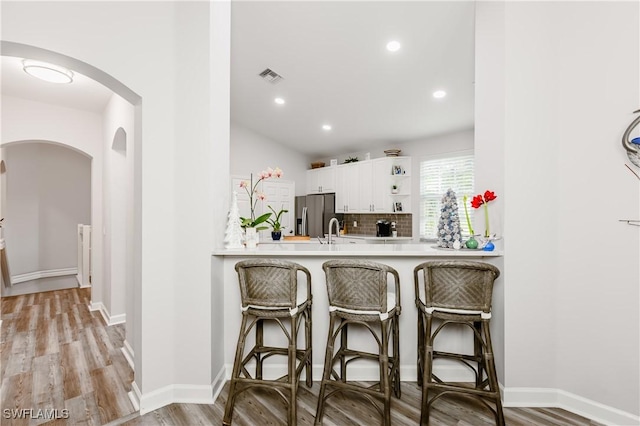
column 83, row 93
column 337, row 70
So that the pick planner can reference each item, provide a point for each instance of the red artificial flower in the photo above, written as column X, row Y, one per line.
column 489, row 196
column 477, row 201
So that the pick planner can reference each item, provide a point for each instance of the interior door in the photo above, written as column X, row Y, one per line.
column 280, row 194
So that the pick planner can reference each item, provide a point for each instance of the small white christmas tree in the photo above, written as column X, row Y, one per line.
column 233, row 233
column 449, row 224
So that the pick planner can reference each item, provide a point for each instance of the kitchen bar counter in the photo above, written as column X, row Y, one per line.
column 315, row 249
column 402, row 257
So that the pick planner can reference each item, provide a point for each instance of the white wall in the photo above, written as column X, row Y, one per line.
column 563, row 97
column 23, row 203
column 118, row 151
column 252, row 153
column 152, row 48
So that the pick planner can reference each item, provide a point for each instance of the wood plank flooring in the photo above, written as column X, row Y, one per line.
column 56, row 354
column 262, row 407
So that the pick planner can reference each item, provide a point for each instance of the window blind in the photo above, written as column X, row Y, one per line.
column 436, row 177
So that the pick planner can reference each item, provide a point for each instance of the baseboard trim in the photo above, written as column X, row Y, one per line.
column 127, row 351
column 108, row 318
column 80, row 283
column 549, row 397
column 181, row 394
column 30, row 276
column 218, row 383
column 135, row 396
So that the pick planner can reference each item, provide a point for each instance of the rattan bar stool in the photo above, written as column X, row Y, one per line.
column 456, row 292
column 359, row 295
column 270, row 292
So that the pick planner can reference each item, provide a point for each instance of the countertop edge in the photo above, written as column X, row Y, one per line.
column 355, row 252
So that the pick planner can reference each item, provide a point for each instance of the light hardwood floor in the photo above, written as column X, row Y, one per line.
column 58, row 355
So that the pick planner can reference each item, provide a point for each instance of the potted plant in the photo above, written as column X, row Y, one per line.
column 252, row 225
column 394, row 189
column 277, row 227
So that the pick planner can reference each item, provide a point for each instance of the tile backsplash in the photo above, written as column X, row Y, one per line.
column 367, row 223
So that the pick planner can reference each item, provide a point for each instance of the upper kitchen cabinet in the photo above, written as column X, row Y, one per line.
column 382, row 185
column 321, row 180
column 353, row 188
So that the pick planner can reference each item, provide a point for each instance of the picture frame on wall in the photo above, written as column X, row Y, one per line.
column 397, row 207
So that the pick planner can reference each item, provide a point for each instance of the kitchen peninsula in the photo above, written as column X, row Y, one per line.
column 402, row 257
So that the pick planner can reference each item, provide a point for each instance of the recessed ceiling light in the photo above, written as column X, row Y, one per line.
column 393, row 46
column 326, row 127
column 279, row 101
column 47, row 72
column 439, row 94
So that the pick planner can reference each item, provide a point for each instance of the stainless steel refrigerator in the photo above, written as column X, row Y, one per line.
column 313, row 213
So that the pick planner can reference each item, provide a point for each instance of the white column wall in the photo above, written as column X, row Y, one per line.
column 118, row 187
column 559, row 92
column 196, row 193
column 220, row 95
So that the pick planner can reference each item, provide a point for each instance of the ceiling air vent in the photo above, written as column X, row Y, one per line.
column 270, row 76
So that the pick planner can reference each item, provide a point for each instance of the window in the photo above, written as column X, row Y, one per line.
column 437, row 175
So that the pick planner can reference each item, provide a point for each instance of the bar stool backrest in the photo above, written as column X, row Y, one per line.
column 268, row 282
column 463, row 285
column 358, row 284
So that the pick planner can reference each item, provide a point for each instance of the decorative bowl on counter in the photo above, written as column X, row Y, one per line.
column 317, row 164
column 392, row 152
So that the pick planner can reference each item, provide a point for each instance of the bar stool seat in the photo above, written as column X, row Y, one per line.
column 358, row 295
column 269, row 292
column 456, row 292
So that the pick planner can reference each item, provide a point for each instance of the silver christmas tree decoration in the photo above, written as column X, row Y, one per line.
column 233, row 233
column 449, row 233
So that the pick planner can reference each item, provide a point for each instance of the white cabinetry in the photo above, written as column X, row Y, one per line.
column 367, row 186
column 321, row 180
column 353, row 188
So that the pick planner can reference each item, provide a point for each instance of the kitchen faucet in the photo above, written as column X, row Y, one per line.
column 331, row 222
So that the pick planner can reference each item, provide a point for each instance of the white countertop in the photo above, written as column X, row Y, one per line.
column 368, row 238
column 357, row 250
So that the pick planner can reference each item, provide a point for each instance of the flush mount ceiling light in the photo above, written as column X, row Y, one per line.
column 439, row 94
column 279, row 101
column 47, row 72
column 326, row 127
column 393, row 46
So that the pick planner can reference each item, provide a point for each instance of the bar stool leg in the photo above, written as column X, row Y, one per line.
column 259, row 346
column 396, row 357
column 308, row 349
column 427, row 378
column 343, row 348
column 491, row 373
column 293, row 377
column 384, row 372
column 326, row 374
column 421, row 332
column 237, row 366
column 478, row 352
